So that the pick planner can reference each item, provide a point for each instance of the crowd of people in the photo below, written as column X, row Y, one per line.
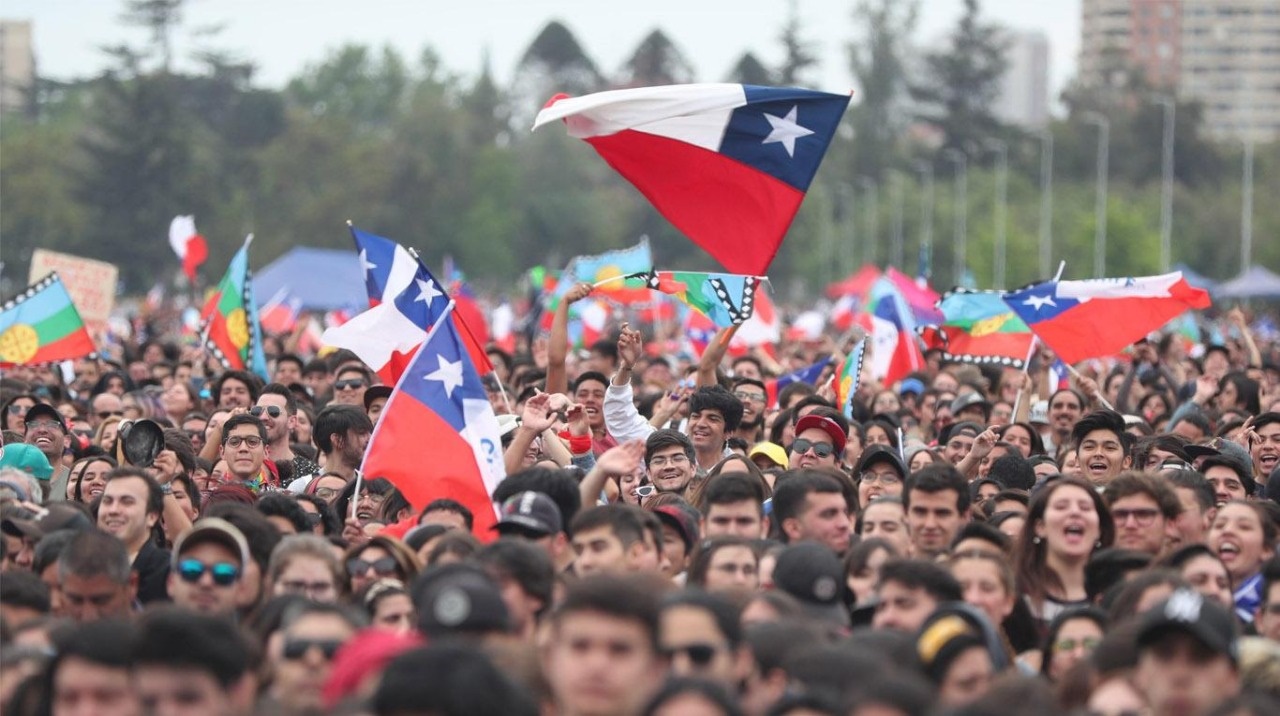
column 675, row 535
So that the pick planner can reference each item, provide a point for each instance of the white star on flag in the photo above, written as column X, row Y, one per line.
column 364, row 261
column 786, row 130
column 427, row 291
column 448, row 374
column 1039, row 302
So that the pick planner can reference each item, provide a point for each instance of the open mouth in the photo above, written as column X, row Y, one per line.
column 1269, row 461
column 364, row 515
column 1098, row 466
column 1228, row 551
column 1074, row 533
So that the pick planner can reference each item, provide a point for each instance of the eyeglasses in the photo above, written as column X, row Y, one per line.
column 1144, row 517
column 104, row 414
column 252, row 441
column 349, row 384
column 327, row 493
column 745, row 395
column 224, row 574
column 800, row 446
column 195, row 434
column 677, row 459
column 43, row 425
column 373, row 497
column 295, row 649
column 699, row 654
column 1089, row 643
column 314, row 589
column 382, row 567
column 884, row 478
column 273, row 411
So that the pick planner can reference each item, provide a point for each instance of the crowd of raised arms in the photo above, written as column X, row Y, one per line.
column 675, row 535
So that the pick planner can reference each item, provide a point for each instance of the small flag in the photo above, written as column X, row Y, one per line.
column 727, row 299
column 608, row 271
column 42, row 325
column 1100, row 317
column 849, row 377
column 808, row 375
column 188, row 244
column 438, row 436
column 727, row 164
column 232, row 330
column 891, row 326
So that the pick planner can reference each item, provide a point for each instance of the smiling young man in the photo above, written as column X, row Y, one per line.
column 47, row 431
column 820, row 439
column 1264, row 444
column 589, row 392
column 1102, row 446
column 131, row 504
column 669, row 459
column 754, row 397
column 1065, row 408
column 616, row 538
column 277, row 408
column 244, row 448
column 714, row 414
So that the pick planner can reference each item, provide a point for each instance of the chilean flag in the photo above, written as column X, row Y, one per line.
column 437, row 436
column 406, row 302
column 808, row 375
column 188, row 244
column 891, row 325
column 1100, row 317
column 727, row 164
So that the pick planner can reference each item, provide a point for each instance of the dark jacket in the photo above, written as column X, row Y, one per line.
column 152, row 566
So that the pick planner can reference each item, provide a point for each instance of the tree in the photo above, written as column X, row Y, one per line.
column 877, row 60
column 798, row 54
column 553, row 63
column 962, row 82
column 749, row 70
column 160, row 17
column 656, row 61
column 487, row 108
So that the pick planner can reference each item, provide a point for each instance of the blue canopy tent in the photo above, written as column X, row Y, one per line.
column 320, row 279
column 1256, row 282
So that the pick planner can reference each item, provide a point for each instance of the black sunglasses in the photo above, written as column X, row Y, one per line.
column 699, row 654
column 104, row 414
column 381, row 567
column 271, row 410
column 800, row 446
column 349, row 384
column 295, row 649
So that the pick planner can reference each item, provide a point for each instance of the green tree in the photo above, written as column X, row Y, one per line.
column 798, row 54
column 749, row 70
column 876, row 57
column 962, row 82
column 656, row 61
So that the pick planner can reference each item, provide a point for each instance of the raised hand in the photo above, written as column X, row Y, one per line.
column 622, row 459
column 630, row 346
column 537, row 415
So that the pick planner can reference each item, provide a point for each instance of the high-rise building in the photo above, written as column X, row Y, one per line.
column 1024, row 89
column 17, row 65
column 1223, row 53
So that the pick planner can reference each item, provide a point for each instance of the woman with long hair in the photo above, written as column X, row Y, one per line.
column 382, row 557
column 1244, row 537
column 1066, row 522
column 725, row 563
column 89, row 476
column 178, row 400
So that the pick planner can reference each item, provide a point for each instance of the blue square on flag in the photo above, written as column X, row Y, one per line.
column 783, row 132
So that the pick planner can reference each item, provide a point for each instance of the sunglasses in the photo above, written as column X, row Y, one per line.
column 699, row 654
column 18, row 409
column 645, row 490
column 104, row 414
column 800, row 446
column 295, row 649
column 271, row 410
column 224, row 574
column 382, row 567
column 348, row 384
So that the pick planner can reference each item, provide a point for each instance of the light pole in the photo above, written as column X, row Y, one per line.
column 1100, row 200
column 1046, row 201
column 895, row 247
column 961, row 211
column 1166, row 184
column 1246, row 209
column 926, row 208
column 1001, row 148
column 871, row 217
column 849, row 226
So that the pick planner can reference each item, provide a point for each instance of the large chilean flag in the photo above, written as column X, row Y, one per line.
column 1100, row 317
column 727, row 164
column 437, row 435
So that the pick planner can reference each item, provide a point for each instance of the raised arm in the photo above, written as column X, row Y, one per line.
column 558, row 341
column 714, row 354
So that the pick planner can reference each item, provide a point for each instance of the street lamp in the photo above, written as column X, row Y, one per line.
column 1100, row 200
column 871, row 217
column 961, row 211
column 1046, row 201
column 1001, row 148
column 1166, row 184
column 895, row 246
column 1246, row 209
column 926, row 208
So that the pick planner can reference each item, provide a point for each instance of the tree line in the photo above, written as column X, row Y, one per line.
column 407, row 147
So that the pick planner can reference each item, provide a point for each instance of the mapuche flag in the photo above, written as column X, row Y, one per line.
column 232, row 330
column 727, row 299
column 42, row 325
column 979, row 327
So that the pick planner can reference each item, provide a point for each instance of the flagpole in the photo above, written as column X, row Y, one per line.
column 1026, row 368
column 1099, row 397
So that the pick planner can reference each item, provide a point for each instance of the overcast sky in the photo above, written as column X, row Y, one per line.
column 282, row 37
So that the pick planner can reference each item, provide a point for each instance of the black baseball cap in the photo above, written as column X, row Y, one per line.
column 459, row 599
column 813, row 574
column 47, row 411
column 530, row 511
column 1187, row 610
